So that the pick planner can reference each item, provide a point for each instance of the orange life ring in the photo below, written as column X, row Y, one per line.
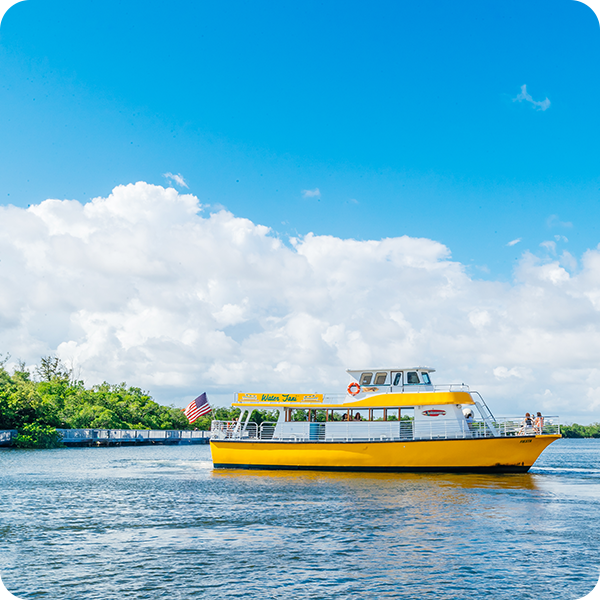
column 353, row 388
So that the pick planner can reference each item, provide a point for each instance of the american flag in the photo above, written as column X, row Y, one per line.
column 196, row 408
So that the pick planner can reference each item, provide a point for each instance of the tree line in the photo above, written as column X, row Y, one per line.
column 581, row 431
column 38, row 403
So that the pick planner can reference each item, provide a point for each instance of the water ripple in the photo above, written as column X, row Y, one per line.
column 153, row 522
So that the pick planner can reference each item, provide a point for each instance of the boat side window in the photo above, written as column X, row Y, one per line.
column 339, row 415
column 426, row 379
column 377, row 414
column 393, row 414
column 299, row 415
column 412, row 378
column 397, row 379
column 365, row 378
column 380, row 378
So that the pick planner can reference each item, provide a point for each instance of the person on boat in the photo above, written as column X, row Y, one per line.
column 538, row 424
column 526, row 424
column 469, row 418
column 357, row 417
column 345, row 417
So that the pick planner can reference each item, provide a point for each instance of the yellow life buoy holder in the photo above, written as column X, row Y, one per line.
column 354, row 388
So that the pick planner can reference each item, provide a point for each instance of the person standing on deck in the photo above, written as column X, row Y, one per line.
column 538, row 424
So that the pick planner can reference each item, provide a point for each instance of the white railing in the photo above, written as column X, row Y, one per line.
column 7, row 435
column 511, row 426
column 132, row 435
column 329, row 431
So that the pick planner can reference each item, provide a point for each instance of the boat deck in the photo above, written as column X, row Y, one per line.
column 404, row 430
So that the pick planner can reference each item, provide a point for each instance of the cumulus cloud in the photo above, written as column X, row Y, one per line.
column 524, row 95
column 177, row 179
column 316, row 193
column 143, row 286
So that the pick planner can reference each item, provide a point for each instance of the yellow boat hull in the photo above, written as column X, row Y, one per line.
column 499, row 455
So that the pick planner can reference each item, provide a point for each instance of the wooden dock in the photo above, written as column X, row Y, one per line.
column 119, row 437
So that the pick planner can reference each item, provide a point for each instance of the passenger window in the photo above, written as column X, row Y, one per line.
column 426, row 379
column 398, row 379
column 366, row 378
column 378, row 414
column 412, row 378
column 380, row 378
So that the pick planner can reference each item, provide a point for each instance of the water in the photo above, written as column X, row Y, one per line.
column 158, row 522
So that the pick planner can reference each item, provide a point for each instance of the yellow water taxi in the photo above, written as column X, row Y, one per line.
column 388, row 420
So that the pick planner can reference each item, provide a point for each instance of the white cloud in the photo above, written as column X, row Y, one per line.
column 524, row 95
column 550, row 246
column 554, row 221
column 177, row 178
column 143, row 287
column 514, row 242
column 311, row 193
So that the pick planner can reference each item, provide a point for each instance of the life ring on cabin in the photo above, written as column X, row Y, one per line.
column 353, row 388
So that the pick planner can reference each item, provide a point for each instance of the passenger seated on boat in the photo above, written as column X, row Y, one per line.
column 357, row 417
column 526, row 425
column 345, row 417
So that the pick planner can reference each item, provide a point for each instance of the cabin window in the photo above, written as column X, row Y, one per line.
column 408, row 415
column 412, row 378
column 365, row 378
column 426, row 379
column 299, row 415
column 397, row 379
column 380, row 378
column 377, row 414
column 339, row 415
column 320, row 415
column 393, row 414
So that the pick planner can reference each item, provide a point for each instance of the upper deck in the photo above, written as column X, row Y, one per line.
column 383, row 387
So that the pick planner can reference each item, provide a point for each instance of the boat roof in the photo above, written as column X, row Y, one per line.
column 395, row 369
column 322, row 401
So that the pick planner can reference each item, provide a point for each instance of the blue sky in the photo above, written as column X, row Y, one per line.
column 318, row 186
column 401, row 114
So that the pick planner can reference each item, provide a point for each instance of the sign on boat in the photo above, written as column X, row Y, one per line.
column 388, row 420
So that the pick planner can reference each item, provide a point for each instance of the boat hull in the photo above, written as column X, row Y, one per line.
column 489, row 455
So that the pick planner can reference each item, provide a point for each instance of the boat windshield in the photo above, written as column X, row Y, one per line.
column 412, row 378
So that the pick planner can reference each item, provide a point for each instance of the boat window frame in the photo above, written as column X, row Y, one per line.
column 394, row 378
column 364, row 376
column 408, row 374
column 378, row 375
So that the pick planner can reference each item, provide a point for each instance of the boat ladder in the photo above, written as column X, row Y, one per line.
column 485, row 412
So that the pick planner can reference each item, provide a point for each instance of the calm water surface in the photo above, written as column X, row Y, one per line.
column 158, row 522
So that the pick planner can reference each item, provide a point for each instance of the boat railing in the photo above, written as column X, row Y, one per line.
column 330, row 431
column 516, row 426
column 128, row 434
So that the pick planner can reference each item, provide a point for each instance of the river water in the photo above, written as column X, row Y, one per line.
column 158, row 522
